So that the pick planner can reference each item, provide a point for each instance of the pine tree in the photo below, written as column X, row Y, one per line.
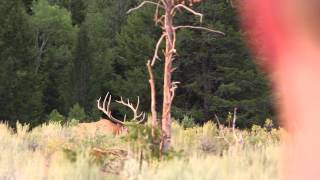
column 20, row 90
column 54, row 37
column 217, row 74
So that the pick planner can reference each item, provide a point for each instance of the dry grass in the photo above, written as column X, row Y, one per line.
column 53, row 151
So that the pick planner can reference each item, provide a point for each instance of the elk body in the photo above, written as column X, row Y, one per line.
column 103, row 126
column 111, row 125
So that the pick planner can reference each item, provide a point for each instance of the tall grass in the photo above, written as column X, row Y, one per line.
column 53, row 151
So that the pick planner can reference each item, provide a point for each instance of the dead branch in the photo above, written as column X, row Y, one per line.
column 173, row 88
column 155, row 56
column 160, row 20
column 41, row 50
column 200, row 28
column 234, row 119
column 153, row 96
column 238, row 140
column 174, row 42
column 218, row 121
column 173, row 69
column 188, row 9
column 143, row 3
column 156, row 15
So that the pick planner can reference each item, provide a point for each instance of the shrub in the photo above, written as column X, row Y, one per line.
column 72, row 122
column 77, row 112
column 55, row 116
column 187, row 121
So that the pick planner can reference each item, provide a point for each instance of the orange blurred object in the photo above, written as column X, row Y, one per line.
column 284, row 35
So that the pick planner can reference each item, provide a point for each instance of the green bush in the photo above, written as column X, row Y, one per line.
column 55, row 116
column 143, row 137
column 187, row 122
column 73, row 122
column 77, row 112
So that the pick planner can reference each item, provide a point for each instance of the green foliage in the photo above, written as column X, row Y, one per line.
column 187, row 122
column 20, row 90
column 55, row 38
column 216, row 72
column 268, row 124
column 73, row 122
column 55, row 116
column 143, row 138
column 55, row 53
column 77, row 112
column 135, row 44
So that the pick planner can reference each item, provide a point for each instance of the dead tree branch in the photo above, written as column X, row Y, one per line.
column 238, row 139
column 143, row 3
column 154, row 121
column 234, row 119
column 218, row 121
column 174, row 86
column 40, row 44
column 200, row 28
column 158, row 19
column 155, row 56
column 188, row 9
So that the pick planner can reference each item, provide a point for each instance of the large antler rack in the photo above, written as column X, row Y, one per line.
column 105, row 108
column 136, row 116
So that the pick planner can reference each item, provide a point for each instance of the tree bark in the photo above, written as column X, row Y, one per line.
column 154, row 121
column 167, row 82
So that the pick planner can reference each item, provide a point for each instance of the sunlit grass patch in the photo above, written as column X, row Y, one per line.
column 55, row 151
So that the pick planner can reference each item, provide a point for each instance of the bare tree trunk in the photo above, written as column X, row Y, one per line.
column 154, row 121
column 167, row 82
column 169, row 32
column 40, row 45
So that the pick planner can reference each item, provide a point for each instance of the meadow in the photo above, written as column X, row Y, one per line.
column 55, row 151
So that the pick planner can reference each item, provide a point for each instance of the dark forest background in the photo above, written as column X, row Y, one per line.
column 61, row 55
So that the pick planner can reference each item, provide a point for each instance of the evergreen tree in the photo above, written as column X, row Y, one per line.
column 20, row 90
column 217, row 74
column 92, row 69
column 54, row 37
column 82, row 70
column 77, row 113
column 134, row 46
column 56, row 53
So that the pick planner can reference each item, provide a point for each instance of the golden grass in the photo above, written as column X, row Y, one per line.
column 53, row 151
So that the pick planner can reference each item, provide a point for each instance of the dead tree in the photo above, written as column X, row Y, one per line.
column 164, row 16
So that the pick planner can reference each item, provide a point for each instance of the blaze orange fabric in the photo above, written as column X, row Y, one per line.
column 291, row 57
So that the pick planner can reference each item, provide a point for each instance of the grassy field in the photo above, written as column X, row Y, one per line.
column 53, row 151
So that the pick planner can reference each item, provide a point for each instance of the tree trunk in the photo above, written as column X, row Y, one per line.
column 169, row 32
column 154, row 121
column 167, row 82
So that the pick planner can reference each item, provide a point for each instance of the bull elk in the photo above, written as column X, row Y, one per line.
column 112, row 125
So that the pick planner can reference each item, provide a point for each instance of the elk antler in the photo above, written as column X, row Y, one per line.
column 108, row 110
column 136, row 117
